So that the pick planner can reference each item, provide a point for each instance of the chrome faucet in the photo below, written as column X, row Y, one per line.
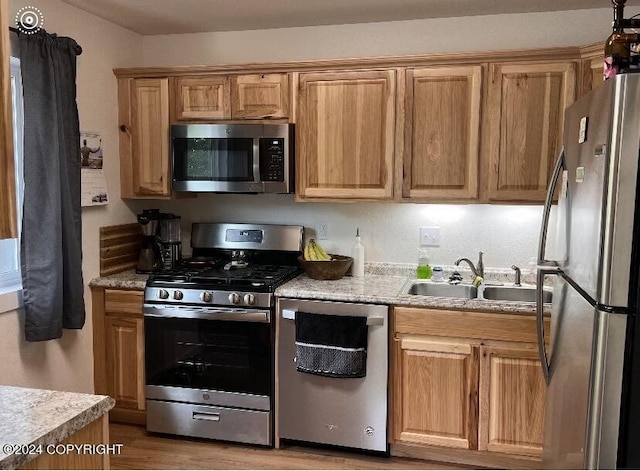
column 517, row 270
column 478, row 270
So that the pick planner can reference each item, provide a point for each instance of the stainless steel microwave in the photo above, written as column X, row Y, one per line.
column 232, row 158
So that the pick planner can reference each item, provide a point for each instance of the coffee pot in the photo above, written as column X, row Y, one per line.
column 150, row 259
column 169, row 235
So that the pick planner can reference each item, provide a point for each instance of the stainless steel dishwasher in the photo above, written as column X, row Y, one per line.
column 349, row 412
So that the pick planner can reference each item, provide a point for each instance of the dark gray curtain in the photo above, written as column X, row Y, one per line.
column 51, row 243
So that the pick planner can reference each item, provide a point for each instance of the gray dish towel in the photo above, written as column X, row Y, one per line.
column 330, row 345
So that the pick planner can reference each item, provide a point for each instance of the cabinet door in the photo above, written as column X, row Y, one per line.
column 512, row 400
column 149, row 168
column 202, row 98
column 592, row 74
column 525, row 113
column 260, row 96
column 436, row 395
column 345, row 135
column 125, row 361
column 442, row 133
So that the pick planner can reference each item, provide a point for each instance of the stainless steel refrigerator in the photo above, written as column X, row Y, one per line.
column 592, row 363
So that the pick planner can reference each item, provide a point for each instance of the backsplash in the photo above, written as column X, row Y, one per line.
column 507, row 234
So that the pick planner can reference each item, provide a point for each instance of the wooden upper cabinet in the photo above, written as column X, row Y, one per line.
column 525, row 118
column 260, row 96
column 214, row 97
column 206, row 97
column 592, row 74
column 442, row 133
column 345, row 134
column 512, row 400
column 149, row 168
column 591, row 68
column 435, row 392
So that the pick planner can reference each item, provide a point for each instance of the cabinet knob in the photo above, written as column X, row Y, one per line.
column 124, row 128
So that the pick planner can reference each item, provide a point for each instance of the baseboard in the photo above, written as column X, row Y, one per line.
column 486, row 459
column 127, row 416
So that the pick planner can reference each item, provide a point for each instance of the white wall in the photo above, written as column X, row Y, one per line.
column 465, row 34
column 67, row 364
column 506, row 234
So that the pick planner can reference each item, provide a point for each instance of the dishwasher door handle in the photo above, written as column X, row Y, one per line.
column 291, row 315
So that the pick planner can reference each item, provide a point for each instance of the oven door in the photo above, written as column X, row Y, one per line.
column 211, row 356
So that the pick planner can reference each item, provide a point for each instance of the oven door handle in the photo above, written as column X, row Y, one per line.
column 263, row 317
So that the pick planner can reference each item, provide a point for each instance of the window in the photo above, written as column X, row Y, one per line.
column 10, row 279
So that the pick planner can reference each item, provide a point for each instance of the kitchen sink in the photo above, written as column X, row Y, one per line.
column 515, row 293
column 467, row 291
column 426, row 288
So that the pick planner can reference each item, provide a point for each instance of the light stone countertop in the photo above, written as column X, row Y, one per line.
column 124, row 280
column 380, row 285
column 384, row 289
column 43, row 417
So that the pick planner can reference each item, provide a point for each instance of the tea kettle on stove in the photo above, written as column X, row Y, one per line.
column 150, row 259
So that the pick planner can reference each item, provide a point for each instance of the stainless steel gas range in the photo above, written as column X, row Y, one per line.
column 209, row 333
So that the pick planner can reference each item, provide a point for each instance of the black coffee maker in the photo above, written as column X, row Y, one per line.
column 169, row 235
column 150, row 259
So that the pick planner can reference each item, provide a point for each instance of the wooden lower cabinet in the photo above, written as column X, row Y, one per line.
column 513, row 391
column 94, row 433
column 467, row 387
column 125, row 361
column 119, row 352
column 437, row 392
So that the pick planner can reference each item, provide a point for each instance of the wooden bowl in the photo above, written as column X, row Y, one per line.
column 327, row 270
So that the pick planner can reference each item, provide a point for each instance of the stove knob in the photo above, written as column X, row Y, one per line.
column 205, row 296
column 178, row 295
column 163, row 294
column 249, row 299
column 234, row 298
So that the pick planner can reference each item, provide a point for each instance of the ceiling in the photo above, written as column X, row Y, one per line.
column 148, row 17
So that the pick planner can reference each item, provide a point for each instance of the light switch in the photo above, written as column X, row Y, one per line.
column 430, row 236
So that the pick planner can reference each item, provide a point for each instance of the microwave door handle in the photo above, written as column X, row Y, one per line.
column 256, row 161
column 557, row 171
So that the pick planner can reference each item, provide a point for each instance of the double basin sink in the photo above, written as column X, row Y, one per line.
column 467, row 291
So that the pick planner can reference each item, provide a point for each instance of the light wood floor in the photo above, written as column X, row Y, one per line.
column 150, row 451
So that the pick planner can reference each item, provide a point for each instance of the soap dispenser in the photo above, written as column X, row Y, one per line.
column 357, row 252
column 423, row 271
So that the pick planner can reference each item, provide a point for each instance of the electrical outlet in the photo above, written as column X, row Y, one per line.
column 322, row 231
column 430, row 236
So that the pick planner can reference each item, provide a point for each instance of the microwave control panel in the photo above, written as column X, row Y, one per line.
column 272, row 159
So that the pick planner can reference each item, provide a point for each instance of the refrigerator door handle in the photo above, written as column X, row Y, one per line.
column 557, row 171
column 542, row 348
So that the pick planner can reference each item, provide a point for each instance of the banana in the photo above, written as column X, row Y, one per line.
column 307, row 252
column 314, row 252
column 321, row 255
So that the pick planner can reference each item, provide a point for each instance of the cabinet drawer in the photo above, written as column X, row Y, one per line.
column 219, row 423
column 465, row 324
column 123, row 302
